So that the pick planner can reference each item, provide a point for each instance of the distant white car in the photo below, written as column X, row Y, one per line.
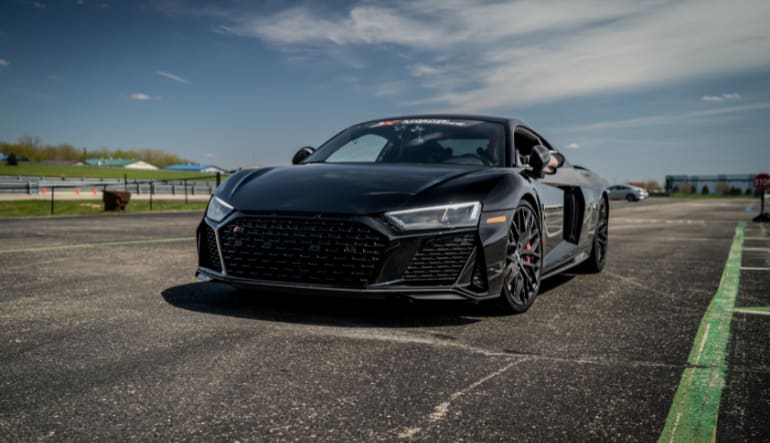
column 626, row 192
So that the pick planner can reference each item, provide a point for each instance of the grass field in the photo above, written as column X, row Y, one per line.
column 27, row 208
column 37, row 170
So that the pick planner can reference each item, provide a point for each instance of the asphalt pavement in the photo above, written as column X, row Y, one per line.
column 105, row 335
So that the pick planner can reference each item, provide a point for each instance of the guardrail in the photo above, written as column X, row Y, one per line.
column 188, row 187
column 191, row 185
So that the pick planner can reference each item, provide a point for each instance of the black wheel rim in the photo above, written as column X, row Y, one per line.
column 524, row 257
column 600, row 244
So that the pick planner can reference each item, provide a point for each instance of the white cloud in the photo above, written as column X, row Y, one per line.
column 667, row 119
column 389, row 88
column 421, row 70
column 140, row 96
column 38, row 5
column 573, row 146
column 721, row 98
column 4, row 62
column 530, row 51
column 174, row 77
column 364, row 24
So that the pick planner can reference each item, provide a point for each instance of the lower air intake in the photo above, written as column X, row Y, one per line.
column 441, row 259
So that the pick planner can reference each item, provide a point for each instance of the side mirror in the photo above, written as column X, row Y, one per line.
column 303, row 153
column 540, row 159
column 559, row 159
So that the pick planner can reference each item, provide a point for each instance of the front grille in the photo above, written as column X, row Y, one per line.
column 209, row 252
column 441, row 259
column 302, row 250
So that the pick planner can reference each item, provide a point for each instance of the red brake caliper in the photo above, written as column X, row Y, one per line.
column 528, row 259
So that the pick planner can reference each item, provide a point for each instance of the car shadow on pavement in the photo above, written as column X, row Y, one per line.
column 221, row 299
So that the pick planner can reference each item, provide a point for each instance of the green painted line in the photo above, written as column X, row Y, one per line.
column 96, row 245
column 695, row 409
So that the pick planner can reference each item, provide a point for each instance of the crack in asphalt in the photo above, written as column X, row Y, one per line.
column 431, row 340
column 442, row 409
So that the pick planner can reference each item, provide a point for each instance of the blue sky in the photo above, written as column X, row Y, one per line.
column 632, row 89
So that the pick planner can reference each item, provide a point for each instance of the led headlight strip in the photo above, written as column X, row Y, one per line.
column 218, row 209
column 457, row 215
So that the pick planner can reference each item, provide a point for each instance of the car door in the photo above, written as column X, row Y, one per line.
column 562, row 204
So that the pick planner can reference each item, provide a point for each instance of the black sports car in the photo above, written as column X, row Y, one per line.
column 427, row 207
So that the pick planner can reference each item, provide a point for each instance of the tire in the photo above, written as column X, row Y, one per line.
column 631, row 198
column 595, row 262
column 521, row 278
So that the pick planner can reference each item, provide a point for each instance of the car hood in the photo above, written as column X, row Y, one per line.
column 346, row 189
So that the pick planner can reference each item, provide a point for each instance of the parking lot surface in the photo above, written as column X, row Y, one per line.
column 106, row 335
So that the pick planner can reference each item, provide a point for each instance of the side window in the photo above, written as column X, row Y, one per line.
column 362, row 149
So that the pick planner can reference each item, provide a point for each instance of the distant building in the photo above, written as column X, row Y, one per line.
column 119, row 163
column 714, row 184
column 207, row 169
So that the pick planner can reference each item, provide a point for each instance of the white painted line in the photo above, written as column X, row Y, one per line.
column 751, row 311
column 753, row 268
column 757, row 249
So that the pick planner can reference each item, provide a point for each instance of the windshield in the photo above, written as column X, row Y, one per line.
column 419, row 140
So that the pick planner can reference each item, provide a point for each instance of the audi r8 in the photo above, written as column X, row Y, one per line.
column 425, row 207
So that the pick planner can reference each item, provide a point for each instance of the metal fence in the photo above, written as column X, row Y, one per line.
column 178, row 187
column 36, row 185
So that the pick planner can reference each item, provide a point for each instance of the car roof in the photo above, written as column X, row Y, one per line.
column 487, row 118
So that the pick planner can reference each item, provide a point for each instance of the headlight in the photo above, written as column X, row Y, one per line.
column 218, row 209
column 457, row 215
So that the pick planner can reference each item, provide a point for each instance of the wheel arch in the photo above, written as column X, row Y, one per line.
column 535, row 202
column 606, row 198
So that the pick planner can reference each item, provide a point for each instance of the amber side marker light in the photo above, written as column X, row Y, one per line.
column 498, row 219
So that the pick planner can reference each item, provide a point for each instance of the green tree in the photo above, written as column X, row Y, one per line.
column 705, row 190
column 12, row 160
column 723, row 188
column 32, row 148
column 653, row 186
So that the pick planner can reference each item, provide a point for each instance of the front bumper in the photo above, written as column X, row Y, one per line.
column 312, row 255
